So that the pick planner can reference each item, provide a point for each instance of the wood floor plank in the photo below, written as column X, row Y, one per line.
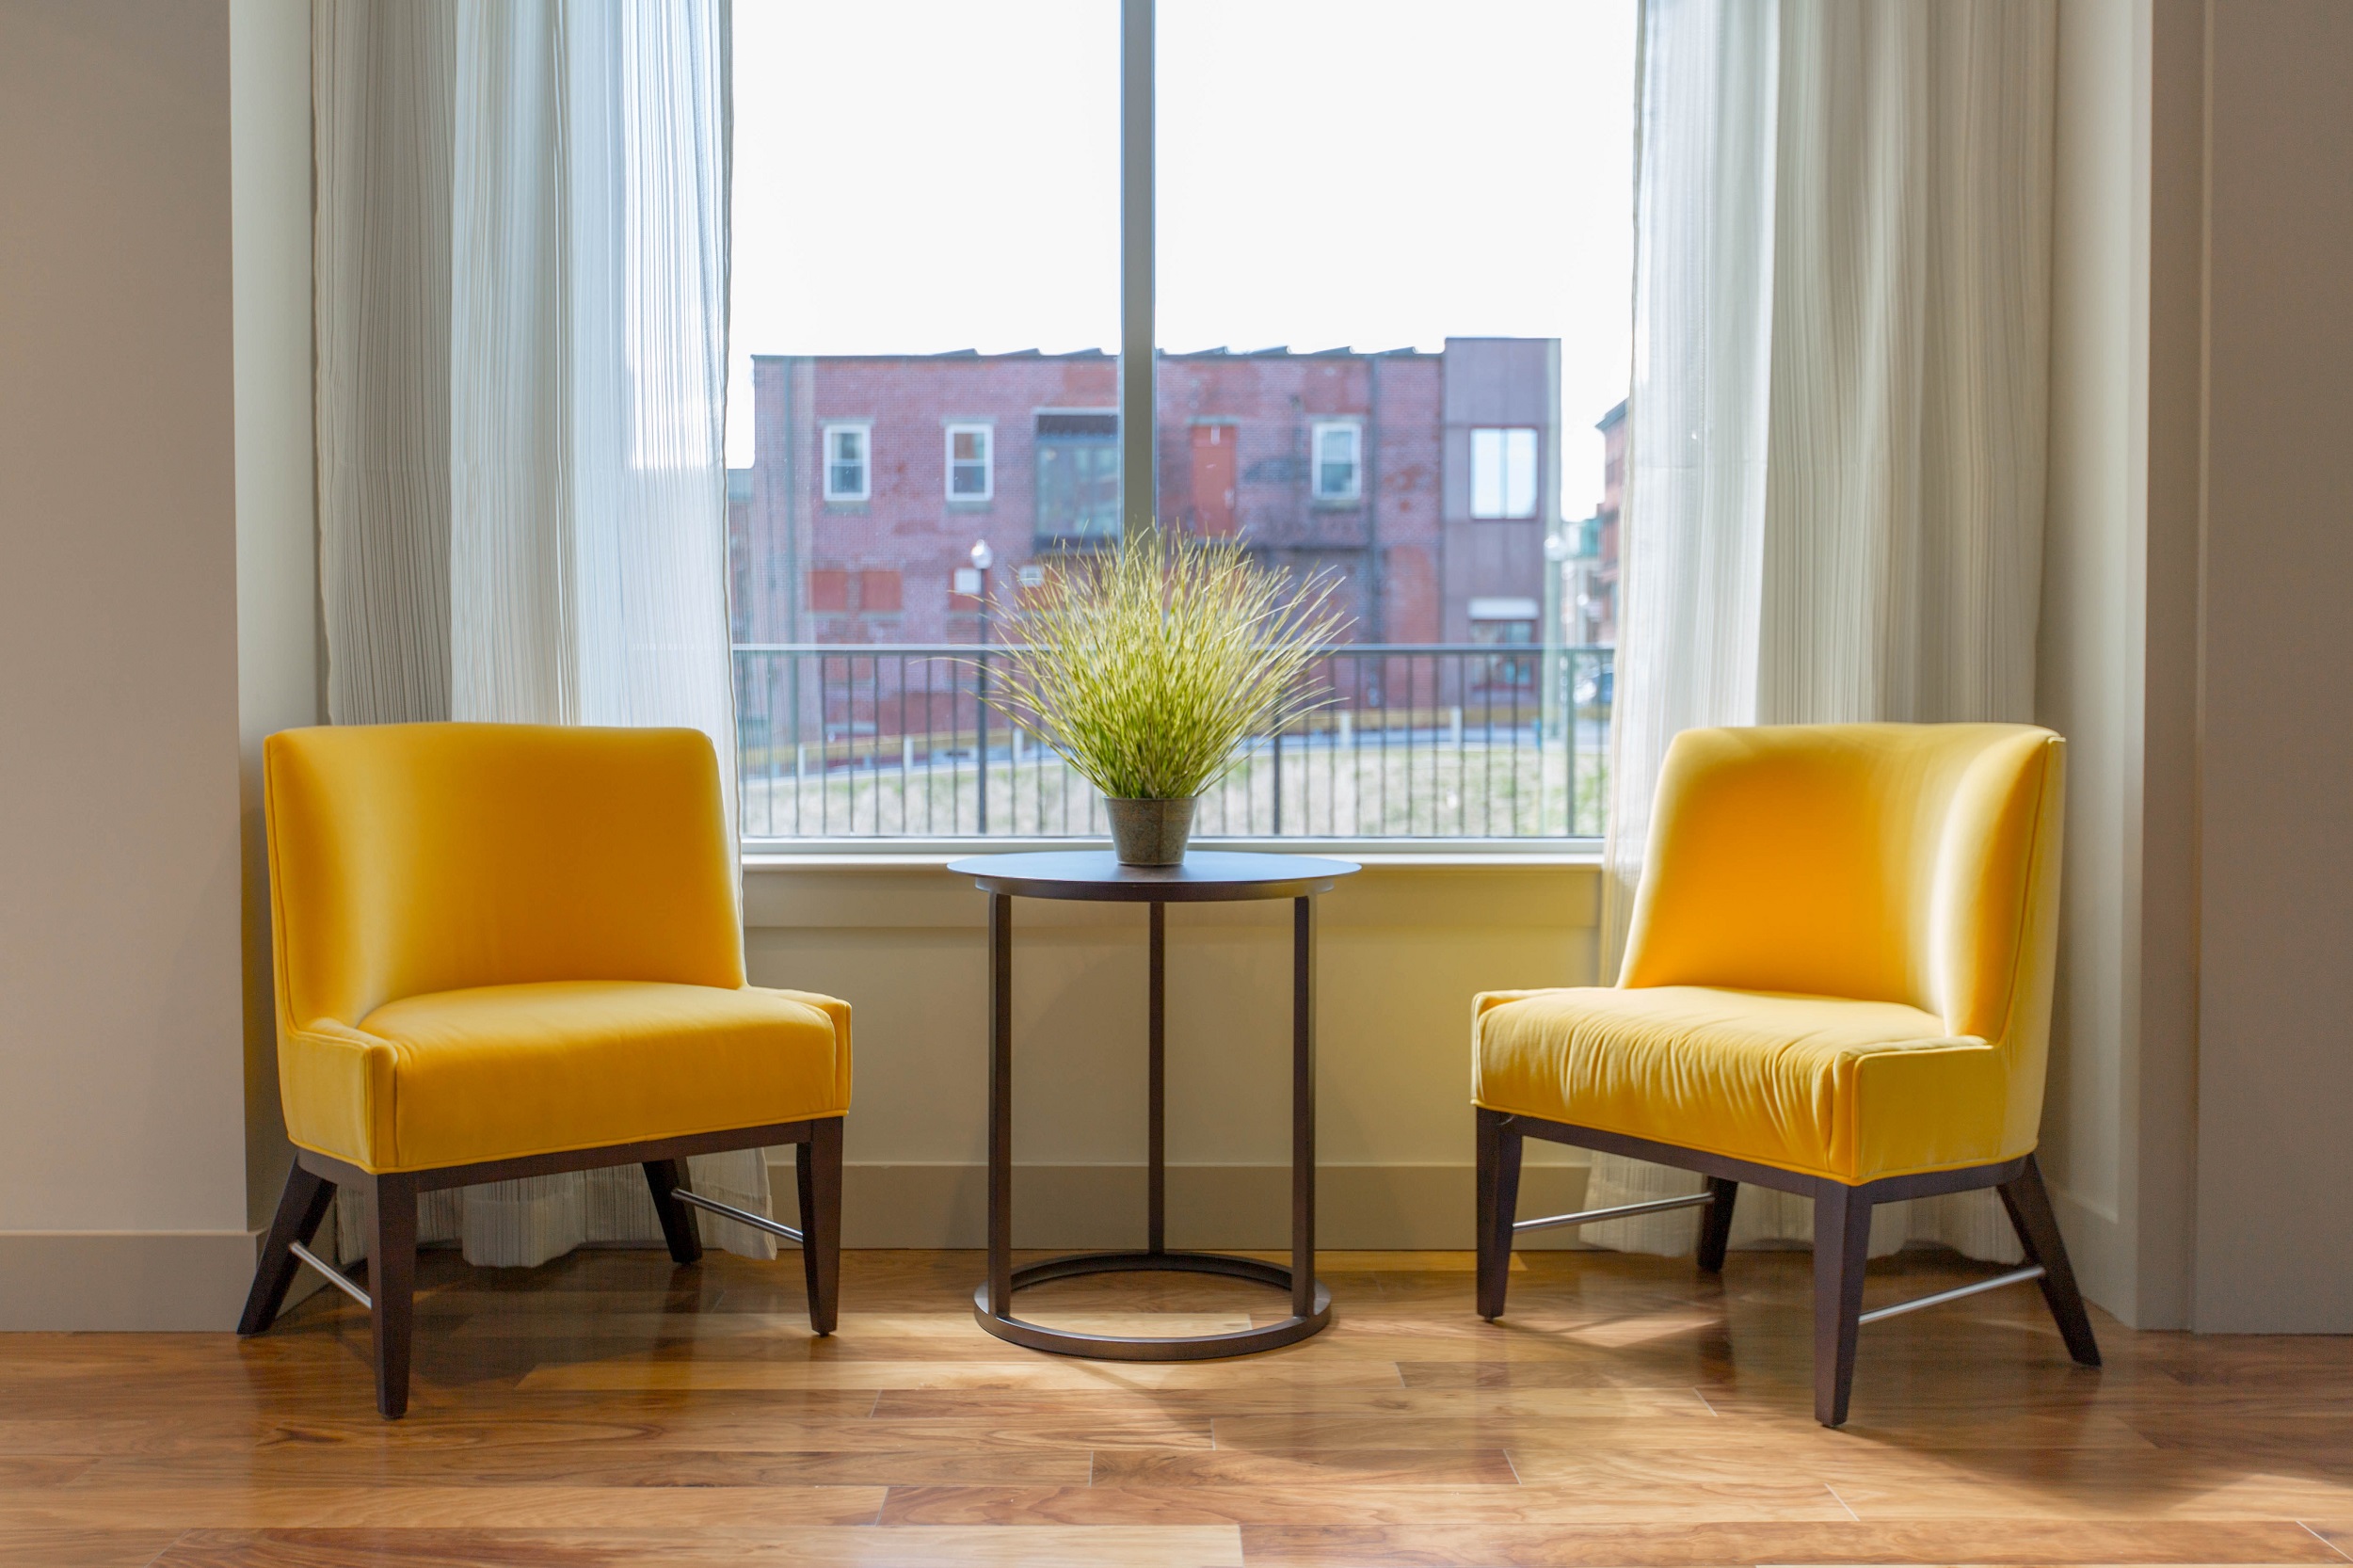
column 1197, row 1547
column 394, row 1506
column 622, row 1464
column 83, row 1547
column 1406, row 1404
column 423, row 1450
column 1390, row 1466
column 1672, row 1427
column 2159, row 1484
column 953, row 1333
column 1042, row 1373
column 1709, row 1544
column 1300, row 1503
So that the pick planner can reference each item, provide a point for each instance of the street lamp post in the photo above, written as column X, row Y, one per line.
column 1558, row 548
column 982, row 559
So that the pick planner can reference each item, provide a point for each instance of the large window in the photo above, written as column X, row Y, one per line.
column 1384, row 315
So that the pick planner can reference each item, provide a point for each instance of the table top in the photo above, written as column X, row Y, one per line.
column 1207, row 876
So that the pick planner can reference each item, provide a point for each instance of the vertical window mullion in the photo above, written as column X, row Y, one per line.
column 1139, row 417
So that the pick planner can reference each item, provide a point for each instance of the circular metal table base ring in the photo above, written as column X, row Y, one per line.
column 1188, row 1347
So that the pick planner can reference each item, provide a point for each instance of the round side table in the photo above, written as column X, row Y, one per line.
column 1206, row 876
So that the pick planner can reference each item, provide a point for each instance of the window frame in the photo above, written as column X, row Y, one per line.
column 825, row 429
column 1354, row 430
column 1136, row 449
column 986, row 430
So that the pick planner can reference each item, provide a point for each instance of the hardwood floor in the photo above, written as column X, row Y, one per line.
column 609, row 1409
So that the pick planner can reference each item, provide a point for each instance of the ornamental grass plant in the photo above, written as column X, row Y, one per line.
column 1147, row 667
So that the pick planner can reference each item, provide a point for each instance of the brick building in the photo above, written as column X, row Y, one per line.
column 1592, row 617
column 1426, row 482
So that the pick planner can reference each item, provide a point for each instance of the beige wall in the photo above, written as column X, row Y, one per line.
column 1403, row 948
column 2275, row 843
column 122, row 1103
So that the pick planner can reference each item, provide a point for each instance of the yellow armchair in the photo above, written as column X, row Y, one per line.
column 1837, row 982
column 508, row 951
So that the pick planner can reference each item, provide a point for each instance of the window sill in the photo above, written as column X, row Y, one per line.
column 1422, row 853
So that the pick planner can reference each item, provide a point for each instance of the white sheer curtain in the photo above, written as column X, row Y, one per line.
column 1834, row 506
column 521, row 282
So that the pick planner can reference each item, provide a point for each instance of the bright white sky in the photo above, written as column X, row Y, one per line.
column 920, row 175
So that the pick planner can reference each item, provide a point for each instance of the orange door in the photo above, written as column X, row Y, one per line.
column 1213, row 479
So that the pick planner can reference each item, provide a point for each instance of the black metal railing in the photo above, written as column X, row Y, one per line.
column 1432, row 741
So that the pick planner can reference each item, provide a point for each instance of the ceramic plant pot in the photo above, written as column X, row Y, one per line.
column 1151, row 832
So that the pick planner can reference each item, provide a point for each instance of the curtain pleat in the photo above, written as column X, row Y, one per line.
column 1837, row 427
column 381, row 129
column 521, row 253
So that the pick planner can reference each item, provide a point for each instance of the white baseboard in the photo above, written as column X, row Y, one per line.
column 125, row 1280
column 1403, row 1207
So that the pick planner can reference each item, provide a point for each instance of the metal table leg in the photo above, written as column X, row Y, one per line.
column 1311, row 1303
column 1000, row 1105
column 1304, row 1292
column 1156, row 1226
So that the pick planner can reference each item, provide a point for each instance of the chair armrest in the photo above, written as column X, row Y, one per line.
column 839, row 1011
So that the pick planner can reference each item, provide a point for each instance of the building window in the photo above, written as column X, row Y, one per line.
column 1503, row 474
column 828, row 588
column 1077, row 477
column 848, row 462
column 1510, row 623
column 1503, row 620
column 971, row 466
column 1338, row 460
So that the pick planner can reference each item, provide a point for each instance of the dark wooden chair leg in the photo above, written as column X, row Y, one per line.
column 391, row 1290
column 818, row 1165
column 2029, row 1205
column 1716, row 1224
column 1500, row 1145
column 1842, row 1247
column 679, row 1229
column 301, row 1209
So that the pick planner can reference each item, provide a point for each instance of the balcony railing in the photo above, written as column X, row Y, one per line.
column 1434, row 741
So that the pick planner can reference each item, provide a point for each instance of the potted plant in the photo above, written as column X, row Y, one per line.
column 1147, row 667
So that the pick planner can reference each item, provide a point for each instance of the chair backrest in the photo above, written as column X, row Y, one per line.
column 407, row 859
column 1878, row 862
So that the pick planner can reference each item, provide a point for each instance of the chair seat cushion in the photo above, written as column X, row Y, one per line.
column 1850, row 1090
column 453, row 1077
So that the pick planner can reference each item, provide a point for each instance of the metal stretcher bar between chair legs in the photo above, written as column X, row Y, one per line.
column 335, row 1277
column 741, row 1216
column 1624, row 1211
